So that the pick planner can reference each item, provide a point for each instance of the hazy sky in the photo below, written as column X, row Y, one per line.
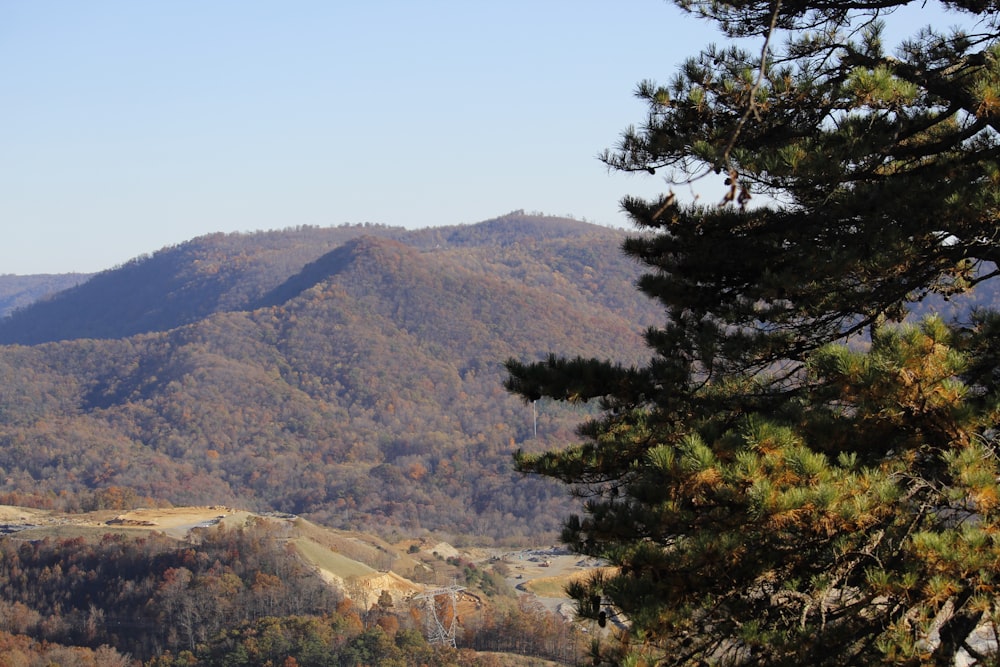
column 129, row 125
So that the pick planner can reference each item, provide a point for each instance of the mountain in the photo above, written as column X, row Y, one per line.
column 177, row 285
column 350, row 374
column 20, row 291
column 235, row 272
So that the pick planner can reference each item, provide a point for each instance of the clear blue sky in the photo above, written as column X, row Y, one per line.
column 129, row 125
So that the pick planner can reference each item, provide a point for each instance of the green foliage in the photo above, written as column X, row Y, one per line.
column 795, row 478
column 487, row 580
column 756, row 521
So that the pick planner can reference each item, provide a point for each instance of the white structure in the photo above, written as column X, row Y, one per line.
column 440, row 625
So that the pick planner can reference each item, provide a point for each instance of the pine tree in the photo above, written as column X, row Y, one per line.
column 794, row 478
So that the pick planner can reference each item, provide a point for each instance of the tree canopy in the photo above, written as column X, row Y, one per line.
column 795, row 477
column 359, row 386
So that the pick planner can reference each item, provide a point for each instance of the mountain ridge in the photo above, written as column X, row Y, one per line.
column 359, row 385
column 226, row 272
column 18, row 291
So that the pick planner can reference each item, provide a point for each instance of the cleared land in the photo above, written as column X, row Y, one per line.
column 336, row 555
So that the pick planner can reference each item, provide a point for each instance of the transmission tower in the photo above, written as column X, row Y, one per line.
column 439, row 628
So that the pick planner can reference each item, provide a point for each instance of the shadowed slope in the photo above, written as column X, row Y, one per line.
column 369, row 394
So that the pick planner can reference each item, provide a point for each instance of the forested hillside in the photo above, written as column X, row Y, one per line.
column 352, row 374
column 143, row 588
column 21, row 291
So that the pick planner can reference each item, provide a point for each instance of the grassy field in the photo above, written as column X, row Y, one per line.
column 333, row 562
column 555, row 587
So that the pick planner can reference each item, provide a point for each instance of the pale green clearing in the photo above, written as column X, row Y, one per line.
column 331, row 561
column 555, row 587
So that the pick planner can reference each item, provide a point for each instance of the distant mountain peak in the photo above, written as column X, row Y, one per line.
column 234, row 272
column 329, row 265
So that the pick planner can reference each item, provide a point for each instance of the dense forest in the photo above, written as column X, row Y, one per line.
column 351, row 374
column 237, row 595
column 21, row 291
